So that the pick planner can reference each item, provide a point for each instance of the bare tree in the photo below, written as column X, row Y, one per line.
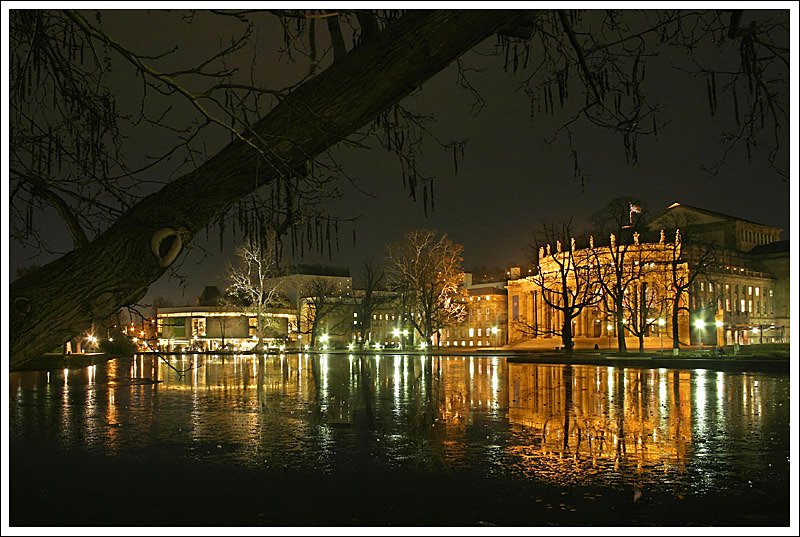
column 323, row 301
column 645, row 302
column 371, row 300
column 425, row 268
column 252, row 280
column 688, row 262
column 68, row 125
column 621, row 263
column 567, row 280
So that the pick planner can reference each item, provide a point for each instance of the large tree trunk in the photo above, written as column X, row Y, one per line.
column 676, row 304
column 62, row 298
column 566, row 334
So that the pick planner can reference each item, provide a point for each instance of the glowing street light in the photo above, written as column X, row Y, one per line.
column 661, row 324
column 700, row 324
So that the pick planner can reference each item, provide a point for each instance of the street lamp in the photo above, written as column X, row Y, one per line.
column 324, row 339
column 700, row 324
column 608, row 333
column 661, row 323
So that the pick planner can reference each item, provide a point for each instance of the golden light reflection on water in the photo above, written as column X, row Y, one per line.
column 553, row 422
column 578, row 418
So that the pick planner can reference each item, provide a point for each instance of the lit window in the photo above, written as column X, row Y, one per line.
column 710, row 287
column 758, row 290
column 471, row 332
column 702, row 286
column 470, row 343
column 727, row 304
column 480, row 343
column 741, row 306
column 770, row 292
column 749, row 289
column 463, row 343
column 479, row 332
column 355, row 314
column 750, row 306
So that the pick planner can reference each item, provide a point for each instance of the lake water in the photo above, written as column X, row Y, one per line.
column 395, row 440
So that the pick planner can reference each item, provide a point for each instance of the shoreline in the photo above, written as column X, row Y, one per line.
column 742, row 362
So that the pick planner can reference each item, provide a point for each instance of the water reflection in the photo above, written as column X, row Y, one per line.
column 564, row 424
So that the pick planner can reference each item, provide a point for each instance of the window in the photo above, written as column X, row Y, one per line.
column 770, row 293
column 702, row 286
column 758, row 290
column 355, row 314
column 749, row 289
column 199, row 327
column 710, row 287
column 727, row 304
column 750, row 306
column 479, row 332
column 471, row 332
column 515, row 308
column 741, row 305
column 487, row 311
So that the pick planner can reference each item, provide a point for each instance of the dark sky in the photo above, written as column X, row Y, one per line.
column 510, row 180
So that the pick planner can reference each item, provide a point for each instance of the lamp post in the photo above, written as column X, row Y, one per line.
column 661, row 323
column 324, row 339
column 608, row 334
column 700, row 324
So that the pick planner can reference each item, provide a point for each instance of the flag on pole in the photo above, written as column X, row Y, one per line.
column 633, row 209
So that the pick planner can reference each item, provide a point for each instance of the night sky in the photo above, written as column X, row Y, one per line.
column 509, row 181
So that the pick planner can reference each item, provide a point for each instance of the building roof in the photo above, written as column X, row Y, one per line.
column 707, row 212
column 476, row 291
column 776, row 247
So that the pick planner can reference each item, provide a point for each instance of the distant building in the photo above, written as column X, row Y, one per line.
column 739, row 292
column 486, row 321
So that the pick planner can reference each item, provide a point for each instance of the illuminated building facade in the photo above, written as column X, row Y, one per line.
column 486, row 320
column 734, row 274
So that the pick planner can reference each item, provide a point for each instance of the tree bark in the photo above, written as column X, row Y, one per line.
column 62, row 298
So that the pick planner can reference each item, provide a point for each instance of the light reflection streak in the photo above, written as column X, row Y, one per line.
column 660, row 424
column 397, row 385
column 700, row 400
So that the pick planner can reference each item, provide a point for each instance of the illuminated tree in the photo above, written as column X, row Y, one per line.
column 252, row 281
column 425, row 269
